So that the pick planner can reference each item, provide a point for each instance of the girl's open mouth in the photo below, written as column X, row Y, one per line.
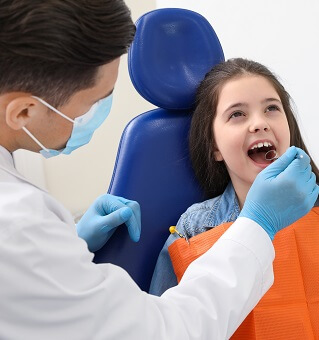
column 264, row 154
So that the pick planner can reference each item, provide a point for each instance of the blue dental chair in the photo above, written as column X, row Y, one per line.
column 172, row 51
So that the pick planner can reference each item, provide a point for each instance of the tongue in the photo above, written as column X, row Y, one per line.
column 259, row 157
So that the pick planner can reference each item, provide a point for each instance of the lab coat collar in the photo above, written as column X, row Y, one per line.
column 7, row 164
column 6, row 158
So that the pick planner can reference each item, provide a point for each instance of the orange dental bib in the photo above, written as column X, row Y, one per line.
column 290, row 309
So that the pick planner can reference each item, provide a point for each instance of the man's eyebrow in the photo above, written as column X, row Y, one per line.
column 109, row 93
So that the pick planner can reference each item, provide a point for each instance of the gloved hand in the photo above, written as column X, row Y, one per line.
column 108, row 212
column 282, row 193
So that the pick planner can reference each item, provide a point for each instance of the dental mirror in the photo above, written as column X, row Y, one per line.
column 271, row 155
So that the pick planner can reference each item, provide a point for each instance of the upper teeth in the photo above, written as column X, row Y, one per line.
column 260, row 145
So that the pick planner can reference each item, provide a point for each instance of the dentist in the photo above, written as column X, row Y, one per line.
column 59, row 62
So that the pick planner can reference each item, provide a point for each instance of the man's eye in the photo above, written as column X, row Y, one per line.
column 272, row 108
column 236, row 114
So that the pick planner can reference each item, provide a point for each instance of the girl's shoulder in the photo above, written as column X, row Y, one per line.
column 199, row 207
column 198, row 217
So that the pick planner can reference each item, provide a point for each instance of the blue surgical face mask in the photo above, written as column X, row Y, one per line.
column 83, row 126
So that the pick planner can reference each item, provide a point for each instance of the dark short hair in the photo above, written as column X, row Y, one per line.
column 53, row 48
column 213, row 175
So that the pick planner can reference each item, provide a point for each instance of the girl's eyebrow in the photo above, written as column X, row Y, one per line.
column 271, row 100
column 245, row 104
column 235, row 105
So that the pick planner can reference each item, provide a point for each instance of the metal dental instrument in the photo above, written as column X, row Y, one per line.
column 273, row 155
column 173, row 230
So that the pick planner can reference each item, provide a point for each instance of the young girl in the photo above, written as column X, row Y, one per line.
column 243, row 119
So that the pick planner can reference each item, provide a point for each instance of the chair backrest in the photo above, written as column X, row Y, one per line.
column 171, row 53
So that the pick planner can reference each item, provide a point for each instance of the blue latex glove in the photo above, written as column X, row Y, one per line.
column 108, row 212
column 282, row 193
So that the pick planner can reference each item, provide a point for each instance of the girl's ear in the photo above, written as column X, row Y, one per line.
column 218, row 156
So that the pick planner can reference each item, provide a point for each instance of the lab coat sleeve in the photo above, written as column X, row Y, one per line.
column 216, row 293
column 53, row 290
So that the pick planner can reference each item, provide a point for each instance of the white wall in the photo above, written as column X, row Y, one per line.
column 281, row 34
column 76, row 180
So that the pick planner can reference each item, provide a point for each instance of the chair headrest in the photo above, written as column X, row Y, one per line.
column 172, row 51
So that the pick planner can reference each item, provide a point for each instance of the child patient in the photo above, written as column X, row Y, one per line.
column 242, row 112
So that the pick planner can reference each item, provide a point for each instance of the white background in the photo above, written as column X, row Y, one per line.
column 281, row 34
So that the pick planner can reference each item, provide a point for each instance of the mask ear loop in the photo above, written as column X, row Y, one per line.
column 271, row 155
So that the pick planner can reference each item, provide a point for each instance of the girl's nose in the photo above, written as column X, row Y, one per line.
column 259, row 125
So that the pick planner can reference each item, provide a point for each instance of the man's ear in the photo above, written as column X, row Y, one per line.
column 20, row 111
column 218, row 156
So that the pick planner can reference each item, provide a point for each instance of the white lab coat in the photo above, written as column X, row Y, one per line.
column 50, row 289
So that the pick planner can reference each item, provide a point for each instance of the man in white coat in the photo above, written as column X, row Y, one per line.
column 59, row 62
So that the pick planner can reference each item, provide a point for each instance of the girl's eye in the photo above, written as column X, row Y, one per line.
column 236, row 114
column 272, row 108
